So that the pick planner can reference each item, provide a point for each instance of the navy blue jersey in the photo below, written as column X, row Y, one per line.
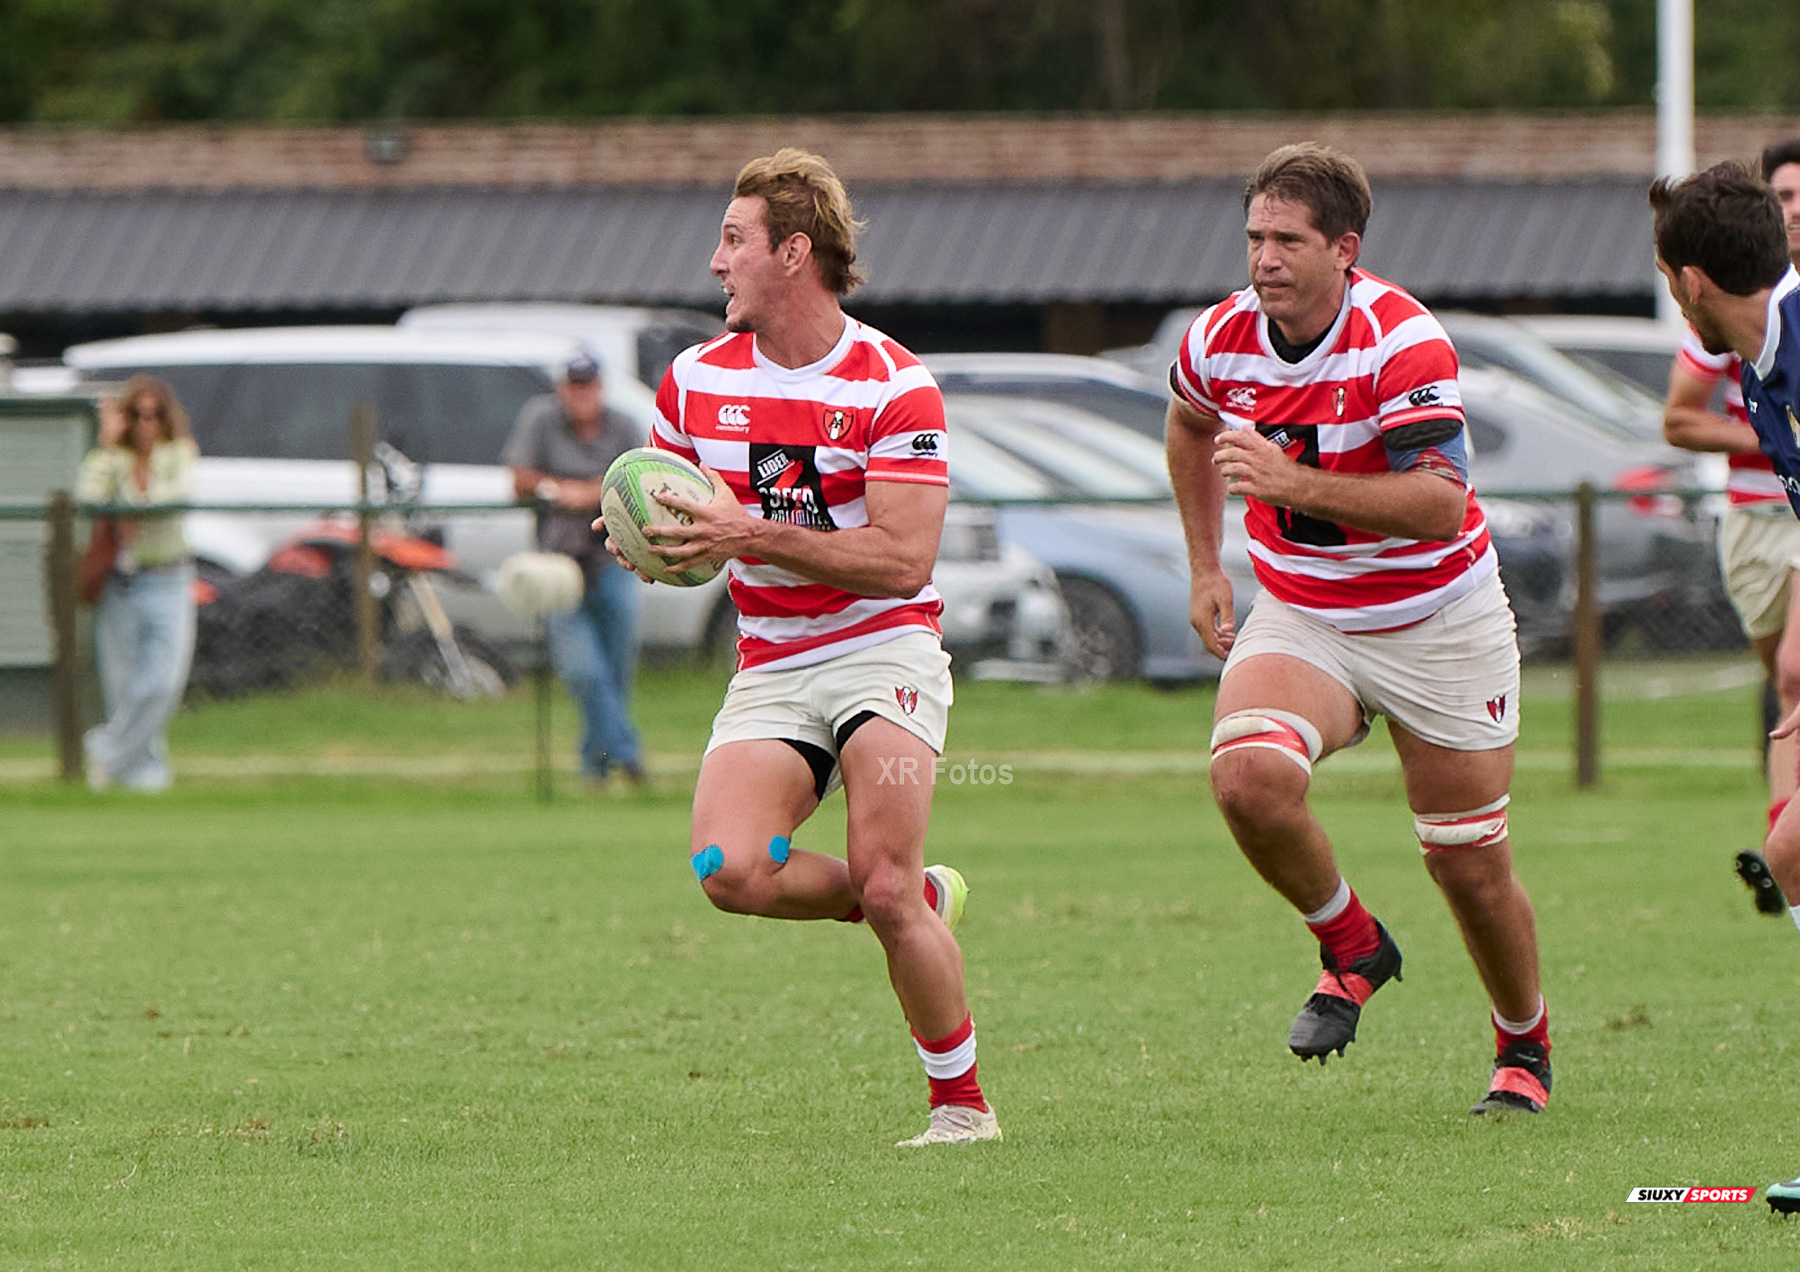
column 1772, row 387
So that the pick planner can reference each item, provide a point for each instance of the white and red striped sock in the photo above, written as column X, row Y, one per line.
column 950, row 1067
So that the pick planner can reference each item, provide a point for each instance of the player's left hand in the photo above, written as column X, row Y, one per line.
column 1253, row 465
column 718, row 530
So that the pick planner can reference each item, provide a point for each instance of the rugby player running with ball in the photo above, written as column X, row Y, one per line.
column 830, row 440
column 1328, row 399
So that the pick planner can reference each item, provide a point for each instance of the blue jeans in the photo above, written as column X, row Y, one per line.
column 594, row 650
column 144, row 641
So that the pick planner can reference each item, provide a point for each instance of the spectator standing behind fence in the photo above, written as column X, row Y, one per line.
column 559, row 450
column 1759, row 539
column 144, row 621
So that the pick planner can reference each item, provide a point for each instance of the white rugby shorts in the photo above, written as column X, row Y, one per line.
column 1759, row 550
column 906, row 680
column 1452, row 680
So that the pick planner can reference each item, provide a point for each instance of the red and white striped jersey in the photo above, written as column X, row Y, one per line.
column 1751, row 479
column 1385, row 362
column 799, row 445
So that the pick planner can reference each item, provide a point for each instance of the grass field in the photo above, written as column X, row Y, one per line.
column 296, row 1014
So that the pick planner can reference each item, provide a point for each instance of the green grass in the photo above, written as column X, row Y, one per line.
column 287, row 1022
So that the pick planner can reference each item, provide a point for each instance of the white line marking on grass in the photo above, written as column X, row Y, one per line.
column 1099, row 763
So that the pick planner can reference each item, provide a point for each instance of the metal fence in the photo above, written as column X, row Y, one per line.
column 1593, row 575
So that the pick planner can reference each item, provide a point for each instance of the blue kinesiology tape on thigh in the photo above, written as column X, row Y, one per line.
column 779, row 847
column 707, row 862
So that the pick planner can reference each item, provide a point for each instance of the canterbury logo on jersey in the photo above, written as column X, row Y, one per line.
column 1426, row 396
column 925, row 444
column 735, row 416
column 1241, row 399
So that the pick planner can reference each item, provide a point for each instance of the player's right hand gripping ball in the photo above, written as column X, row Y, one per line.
column 632, row 514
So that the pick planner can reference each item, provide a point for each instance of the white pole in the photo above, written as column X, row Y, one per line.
column 1674, row 109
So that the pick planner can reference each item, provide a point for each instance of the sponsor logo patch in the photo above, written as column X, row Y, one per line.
column 1691, row 1195
column 735, row 417
column 907, row 697
column 787, row 484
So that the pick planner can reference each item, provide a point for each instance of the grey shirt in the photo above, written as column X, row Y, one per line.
column 543, row 437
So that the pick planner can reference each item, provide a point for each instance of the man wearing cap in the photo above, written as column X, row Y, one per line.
column 559, row 450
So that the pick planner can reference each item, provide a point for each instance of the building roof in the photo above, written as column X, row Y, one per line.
column 1161, row 242
column 984, row 208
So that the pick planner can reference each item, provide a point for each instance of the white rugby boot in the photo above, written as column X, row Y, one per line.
column 955, row 1124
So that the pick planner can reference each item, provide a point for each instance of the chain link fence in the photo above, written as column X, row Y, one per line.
column 370, row 590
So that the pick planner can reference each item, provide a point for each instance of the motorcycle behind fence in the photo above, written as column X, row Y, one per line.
column 293, row 621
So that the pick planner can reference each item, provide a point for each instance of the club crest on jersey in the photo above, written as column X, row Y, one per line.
column 1794, row 426
column 1337, row 400
column 907, row 697
column 1497, row 708
column 837, row 422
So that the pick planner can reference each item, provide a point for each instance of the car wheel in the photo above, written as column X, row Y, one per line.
column 1107, row 646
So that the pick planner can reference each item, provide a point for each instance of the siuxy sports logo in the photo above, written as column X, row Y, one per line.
column 735, row 417
column 1689, row 1195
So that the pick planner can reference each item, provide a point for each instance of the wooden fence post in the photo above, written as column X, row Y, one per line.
column 1587, row 640
column 59, row 578
column 368, row 634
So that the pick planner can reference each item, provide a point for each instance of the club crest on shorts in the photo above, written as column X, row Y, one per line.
column 1497, row 708
column 907, row 697
column 837, row 422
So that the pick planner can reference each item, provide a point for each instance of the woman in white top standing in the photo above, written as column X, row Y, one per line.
column 144, row 622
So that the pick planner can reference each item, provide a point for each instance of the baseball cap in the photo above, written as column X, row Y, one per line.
column 581, row 369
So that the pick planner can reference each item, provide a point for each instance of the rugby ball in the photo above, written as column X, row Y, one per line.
column 628, row 506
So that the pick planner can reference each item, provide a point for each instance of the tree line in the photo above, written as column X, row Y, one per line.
column 120, row 61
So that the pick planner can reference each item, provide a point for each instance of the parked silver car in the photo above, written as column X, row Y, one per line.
column 1091, row 498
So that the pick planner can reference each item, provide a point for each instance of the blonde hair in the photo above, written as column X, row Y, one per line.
column 174, row 419
column 804, row 196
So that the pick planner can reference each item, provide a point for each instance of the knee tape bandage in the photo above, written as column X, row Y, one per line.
column 707, row 862
column 1477, row 828
column 1292, row 735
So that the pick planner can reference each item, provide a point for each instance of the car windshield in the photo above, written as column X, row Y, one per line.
column 434, row 413
column 1612, row 404
column 1645, row 370
column 1138, row 410
column 1068, row 452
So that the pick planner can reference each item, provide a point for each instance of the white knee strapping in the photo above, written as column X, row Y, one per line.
column 1476, row 828
column 1265, row 727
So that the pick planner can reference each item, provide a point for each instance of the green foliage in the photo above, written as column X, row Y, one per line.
column 116, row 61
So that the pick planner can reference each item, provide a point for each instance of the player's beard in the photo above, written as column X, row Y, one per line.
column 1711, row 338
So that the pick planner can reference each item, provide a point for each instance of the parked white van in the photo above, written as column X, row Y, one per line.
column 271, row 410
